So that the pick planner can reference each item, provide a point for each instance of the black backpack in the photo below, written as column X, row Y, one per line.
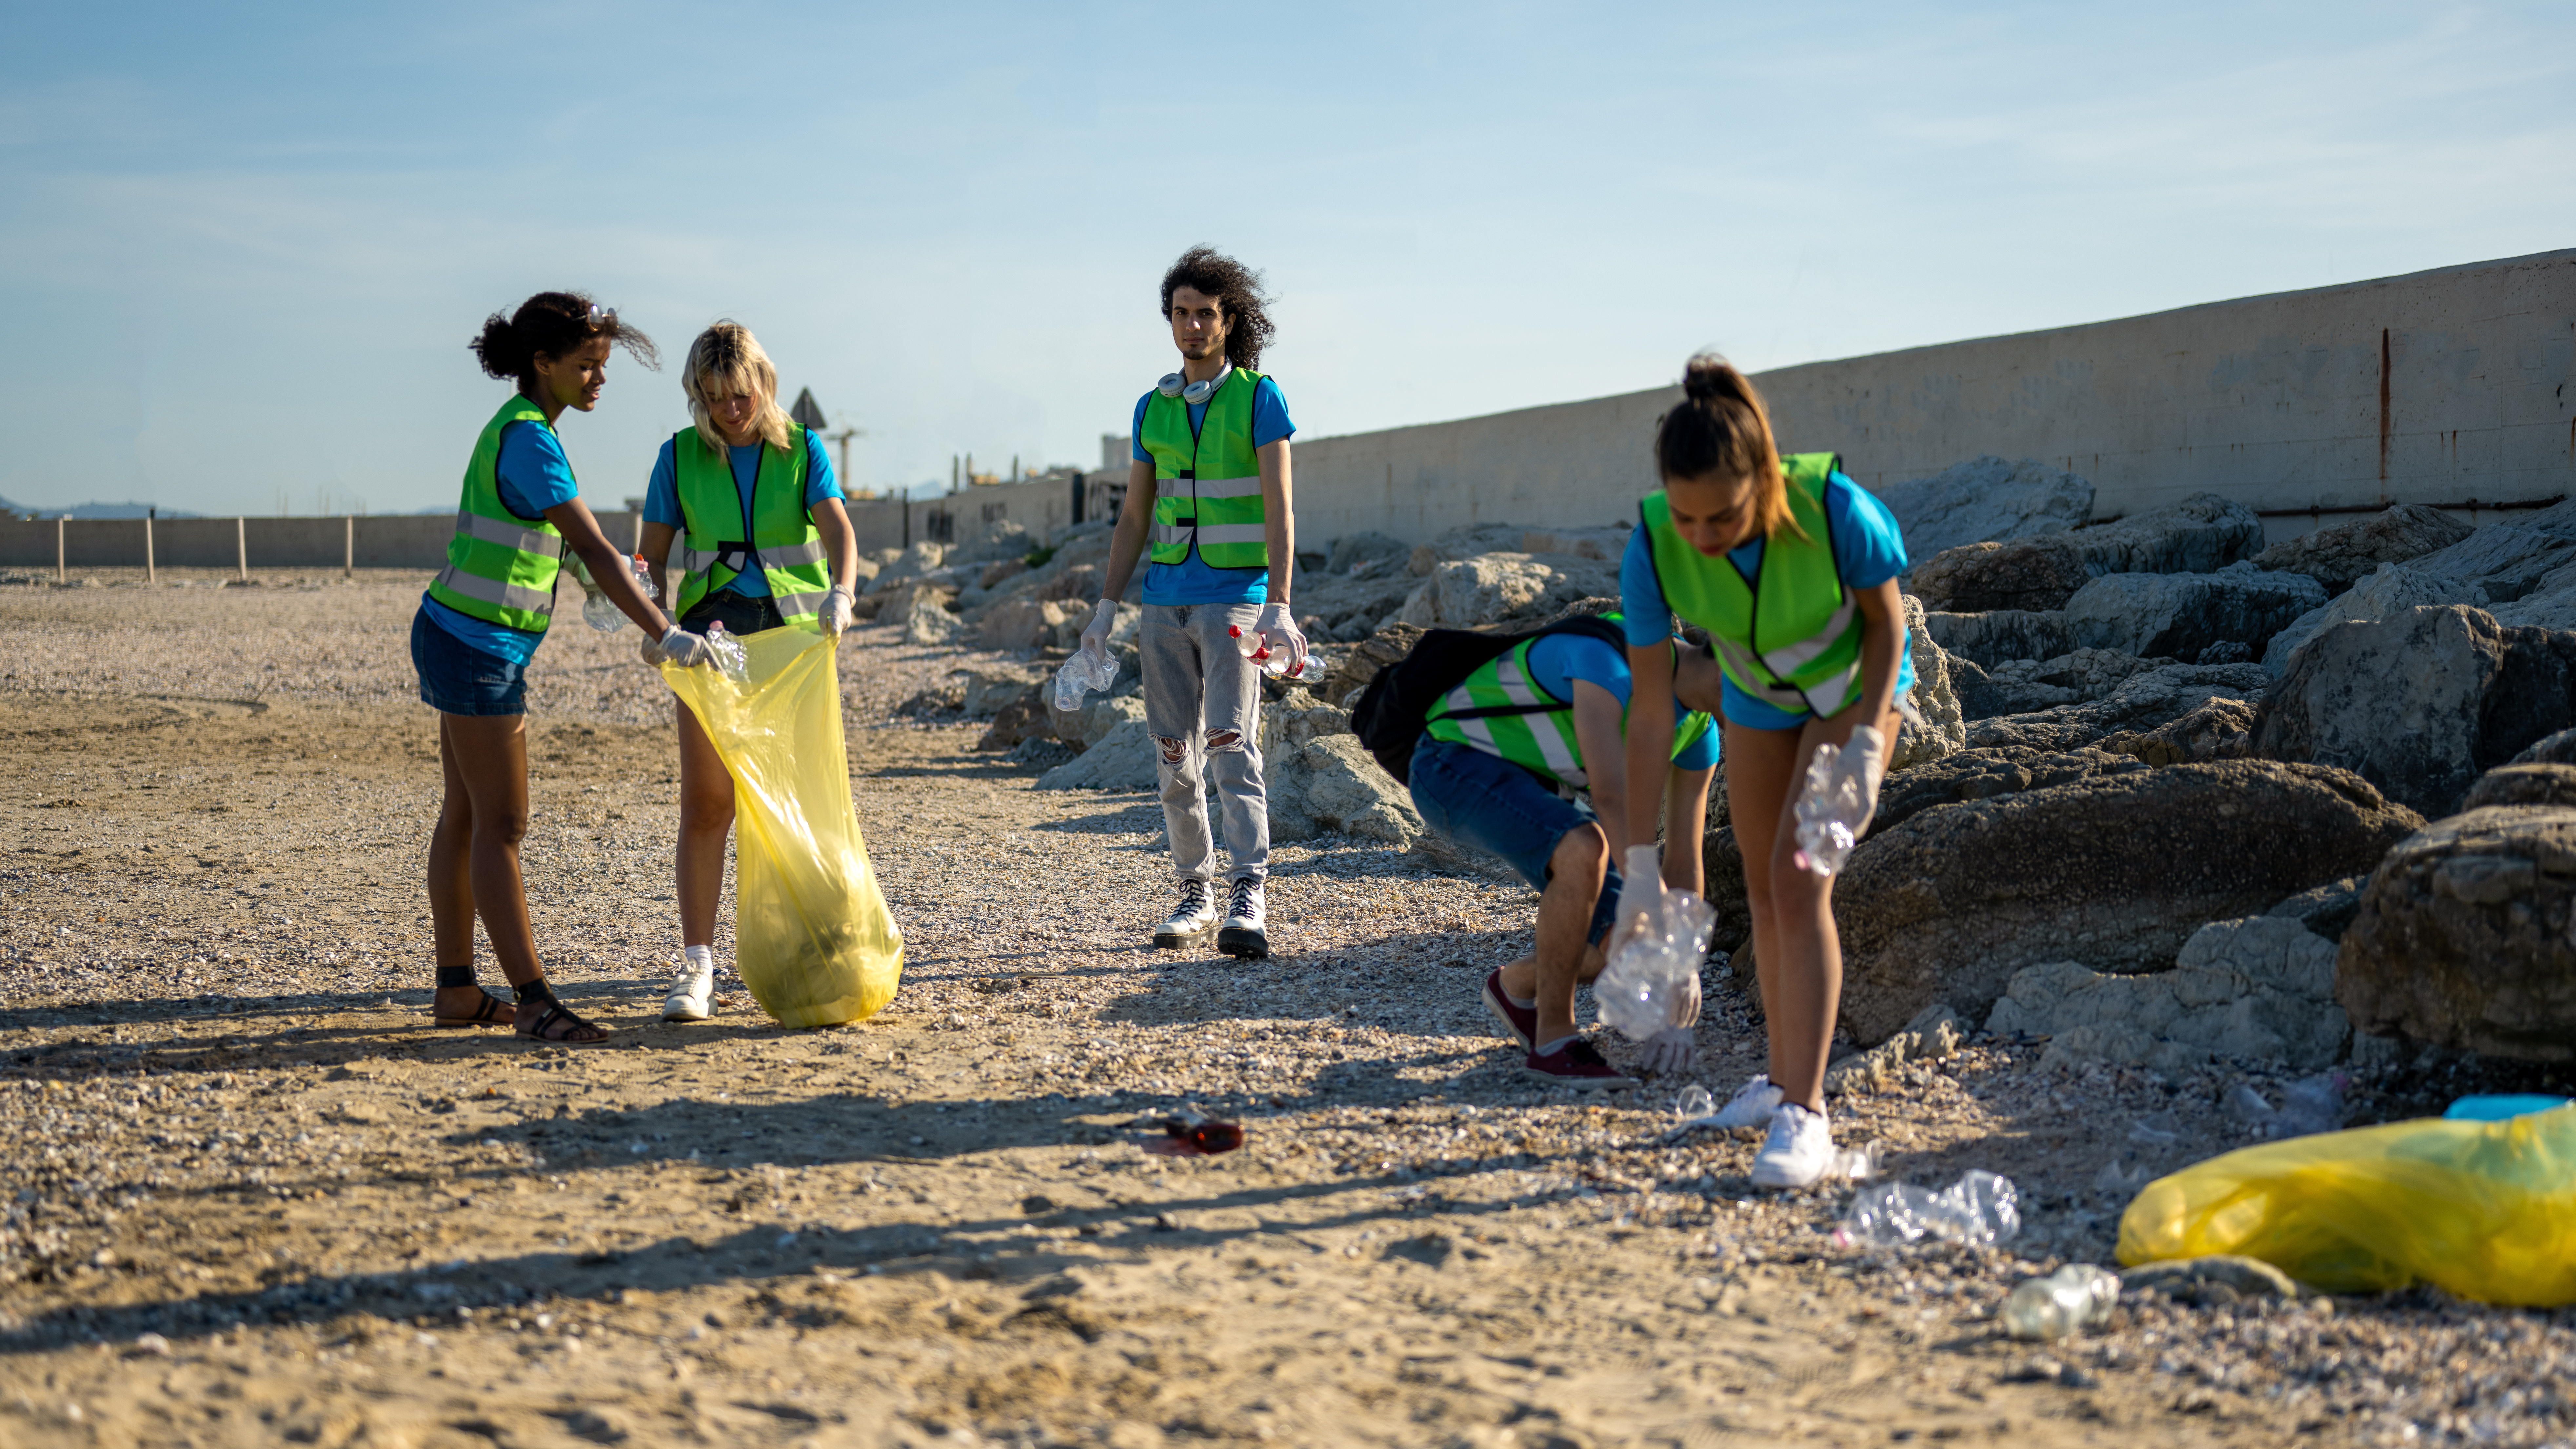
column 1388, row 719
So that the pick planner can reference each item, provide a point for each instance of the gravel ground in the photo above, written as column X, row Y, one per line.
column 252, row 1197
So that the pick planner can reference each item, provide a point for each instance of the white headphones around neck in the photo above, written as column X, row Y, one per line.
column 1193, row 393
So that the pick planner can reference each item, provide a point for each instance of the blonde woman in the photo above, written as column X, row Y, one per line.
column 765, row 543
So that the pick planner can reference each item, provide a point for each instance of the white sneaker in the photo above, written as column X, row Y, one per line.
column 692, row 995
column 1190, row 919
column 1799, row 1149
column 1243, row 935
column 1750, row 1107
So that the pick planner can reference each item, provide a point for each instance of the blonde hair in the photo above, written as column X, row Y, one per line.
column 726, row 360
column 1722, row 433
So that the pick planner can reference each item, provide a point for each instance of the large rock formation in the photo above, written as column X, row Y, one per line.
column 2523, row 785
column 2260, row 988
column 2024, row 686
column 2421, row 703
column 1987, row 774
column 2340, row 556
column 1465, row 593
column 2001, row 635
column 1942, row 730
column 2115, row 870
column 1977, row 578
column 2143, row 701
column 1985, row 500
column 2390, row 589
column 2182, row 614
column 1331, row 786
column 2464, row 936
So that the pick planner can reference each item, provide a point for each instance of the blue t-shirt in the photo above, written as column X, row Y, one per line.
column 535, row 476
column 1869, row 549
column 662, row 496
column 1191, row 581
column 1558, row 660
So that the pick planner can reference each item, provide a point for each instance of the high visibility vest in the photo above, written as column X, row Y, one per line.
column 1207, row 479
column 501, row 568
column 725, row 538
column 1489, row 712
column 1790, row 634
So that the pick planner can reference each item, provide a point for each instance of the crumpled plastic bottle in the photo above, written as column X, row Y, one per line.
column 1257, row 649
column 1661, row 938
column 2077, row 1296
column 601, row 612
column 2308, row 1106
column 1694, row 1103
column 729, row 653
column 1084, row 673
column 1980, row 1209
column 1831, row 813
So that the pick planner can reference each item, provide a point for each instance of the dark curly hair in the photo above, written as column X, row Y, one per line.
column 1237, row 289
column 551, row 324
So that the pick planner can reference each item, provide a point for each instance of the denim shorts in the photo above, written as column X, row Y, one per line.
column 741, row 614
column 1489, row 803
column 457, row 678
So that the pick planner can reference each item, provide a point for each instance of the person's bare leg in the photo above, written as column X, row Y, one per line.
column 1758, row 777
column 492, row 758
column 706, row 814
column 1565, row 909
column 451, row 887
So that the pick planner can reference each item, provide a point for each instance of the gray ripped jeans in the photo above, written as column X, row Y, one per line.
column 1203, row 707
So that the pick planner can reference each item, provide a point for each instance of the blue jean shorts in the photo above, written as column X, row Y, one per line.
column 1497, row 807
column 457, row 678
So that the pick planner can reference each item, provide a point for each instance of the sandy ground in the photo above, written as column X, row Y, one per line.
column 252, row 1198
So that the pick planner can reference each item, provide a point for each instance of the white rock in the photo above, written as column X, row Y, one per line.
column 1122, row 759
column 1986, row 500
column 2388, row 589
column 2261, row 987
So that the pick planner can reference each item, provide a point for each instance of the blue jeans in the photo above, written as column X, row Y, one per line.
column 1496, row 806
column 457, row 678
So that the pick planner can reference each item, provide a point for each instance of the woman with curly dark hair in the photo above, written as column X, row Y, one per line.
column 480, row 624
column 1209, row 494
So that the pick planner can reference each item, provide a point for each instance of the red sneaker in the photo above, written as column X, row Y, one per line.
column 1520, row 1021
column 1576, row 1064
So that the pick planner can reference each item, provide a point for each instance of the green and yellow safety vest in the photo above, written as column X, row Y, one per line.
column 725, row 536
column 501, row 568
column 1485, row 712
column 1207, row 479
column 1790, row 634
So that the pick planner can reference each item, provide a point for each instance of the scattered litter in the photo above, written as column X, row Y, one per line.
column 2501, row 1108
column 151, row 1344
column 1694, row 1103
column 731, row 659
column 1856, row 1164
column 1084, row 673
column 1841, row 793
column 1191, row 1135
column 2077, row 1296
column 2124, row 1180
column 2312, row 1105
column 2160, row 1129
column 1655, row 951
column 1980, row 1209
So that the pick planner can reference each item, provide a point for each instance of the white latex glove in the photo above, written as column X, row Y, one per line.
column 1095, row 635
column 1674, row 1049
column 1864, row 760
column 651, row 650
column 685, row 649
column 1637, row 902
column 1279, row 631
column 836, row 611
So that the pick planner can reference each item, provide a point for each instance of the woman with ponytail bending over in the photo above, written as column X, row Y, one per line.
column 1791, row 568
column 480, row 624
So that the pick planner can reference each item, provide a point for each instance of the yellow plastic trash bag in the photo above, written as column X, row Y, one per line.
column 2486, row 1210
column 812, row 935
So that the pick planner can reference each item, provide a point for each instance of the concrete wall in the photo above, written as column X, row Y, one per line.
column 2440, row 387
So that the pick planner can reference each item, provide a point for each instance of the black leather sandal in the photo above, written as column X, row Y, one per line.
column 556, row 1016
column 486, row 1012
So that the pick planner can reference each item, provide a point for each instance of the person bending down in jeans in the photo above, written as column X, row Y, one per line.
column 1208, row 495
column 1527, row 760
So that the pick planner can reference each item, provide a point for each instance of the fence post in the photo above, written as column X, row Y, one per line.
column 349, row 547
column 150, row 574
column 60, row 520
column 241, row 547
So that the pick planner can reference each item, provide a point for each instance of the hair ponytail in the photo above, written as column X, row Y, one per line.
column 551, row 324
column 1721, row 433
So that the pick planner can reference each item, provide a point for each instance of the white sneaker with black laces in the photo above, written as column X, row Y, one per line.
column 1190, row 919
column 1242, row 936
column 1751, row 1107
column 692, row 995
column 1799, row 1149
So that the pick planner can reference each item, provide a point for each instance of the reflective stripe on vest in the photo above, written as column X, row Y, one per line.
column 1541, row 740
column 501, row 569
column 1789, row 636
column 1207, row 480
column 723, row 536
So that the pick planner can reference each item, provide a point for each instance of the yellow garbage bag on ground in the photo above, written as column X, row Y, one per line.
column 2486, row 1210
column 812, row 935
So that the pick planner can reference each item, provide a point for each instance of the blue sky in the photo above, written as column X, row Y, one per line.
column 245, row 247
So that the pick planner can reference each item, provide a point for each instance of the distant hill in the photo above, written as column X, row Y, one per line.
column 93, row 510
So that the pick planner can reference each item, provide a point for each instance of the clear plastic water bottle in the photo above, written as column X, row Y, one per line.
column 1834, row 807
column 1656, row 948
column 729, row 654
column 1084, row 673
column 1980, row 1209
column 601, row 612
column 2075, row 1297
column 1256, row 648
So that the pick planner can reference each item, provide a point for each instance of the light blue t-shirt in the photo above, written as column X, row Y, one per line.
column 534, row 476
column 1869, row 549
column 662, row 496
column 1558, row 660
column 1192, row 581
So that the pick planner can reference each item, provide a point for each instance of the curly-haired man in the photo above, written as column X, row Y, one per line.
column 1208, row 492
